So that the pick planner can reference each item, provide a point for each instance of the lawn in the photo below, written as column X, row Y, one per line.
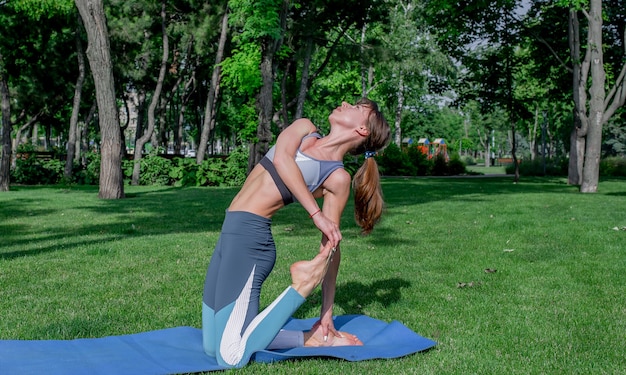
column 552, row 301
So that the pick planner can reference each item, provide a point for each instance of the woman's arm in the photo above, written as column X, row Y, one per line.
column 284, row 160
column 336, row 193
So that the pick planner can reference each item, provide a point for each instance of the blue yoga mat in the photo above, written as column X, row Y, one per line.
column 179, row 350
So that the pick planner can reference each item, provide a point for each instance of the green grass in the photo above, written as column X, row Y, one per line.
column 486, row 170
column 73, row 266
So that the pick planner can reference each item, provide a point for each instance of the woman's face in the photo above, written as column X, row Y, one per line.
column 350, row 115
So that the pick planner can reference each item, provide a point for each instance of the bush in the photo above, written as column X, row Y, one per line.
column 236, row 168
column 210, row 173
column 154, row 170
column 456, row 166
column 412, row 162
column 554, row 167
column 468, row 160
column 394, row 162
column 90, row 173
column 423, row 165
column 29, row 170
column 440, row 166
column 184, row 171
column 231, row 171
column 613, row 166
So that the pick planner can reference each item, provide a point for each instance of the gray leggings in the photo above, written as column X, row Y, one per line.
column 232, row 327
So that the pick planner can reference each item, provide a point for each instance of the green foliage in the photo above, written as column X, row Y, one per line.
column 257, row 18
column 613, row 167
column 468, row 160
column 240, row 72
column 37, row 9
column 154, row 170
column 411, row 162
column 440, row 167
column 33, row 168
column 614, row 136
column 394, row 162
column 554, row 167
column 90, row 173
column 184, row 171
column 231, row 171
column 423, row 166
column 236, row 168
column 456, row 166
column 210, row 173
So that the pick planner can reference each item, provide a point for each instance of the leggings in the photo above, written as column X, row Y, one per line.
column 232, row 327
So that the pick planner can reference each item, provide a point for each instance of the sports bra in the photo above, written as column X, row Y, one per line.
column 314, row 171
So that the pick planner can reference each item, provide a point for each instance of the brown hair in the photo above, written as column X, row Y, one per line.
column 368, row 196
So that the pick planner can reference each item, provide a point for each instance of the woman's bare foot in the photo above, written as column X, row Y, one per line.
column 306, row 275
column 315, row 338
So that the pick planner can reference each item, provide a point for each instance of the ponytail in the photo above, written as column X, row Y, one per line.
column 368, row 195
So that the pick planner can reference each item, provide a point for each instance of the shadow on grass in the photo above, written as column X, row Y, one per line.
column 411, row 191
column 354, row 297
column 145, row 213
column 167, row 210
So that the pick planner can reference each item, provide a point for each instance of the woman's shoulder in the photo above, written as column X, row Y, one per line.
column 304, row 123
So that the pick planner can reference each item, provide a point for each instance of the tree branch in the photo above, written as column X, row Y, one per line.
column 553, row 52
column 616, row 97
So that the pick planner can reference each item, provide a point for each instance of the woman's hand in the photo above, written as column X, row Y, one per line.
column 327, row 325
column 328, row 227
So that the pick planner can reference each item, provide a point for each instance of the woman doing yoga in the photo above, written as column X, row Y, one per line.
column 301, row 166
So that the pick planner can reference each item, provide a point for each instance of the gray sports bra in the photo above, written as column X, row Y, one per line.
column 314, row 171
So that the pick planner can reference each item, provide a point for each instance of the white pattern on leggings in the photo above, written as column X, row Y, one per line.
column 233, row 346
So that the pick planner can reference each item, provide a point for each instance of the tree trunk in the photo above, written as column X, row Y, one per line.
column 532, row 135
column 99, row 56
column 591, row 167
column 84, row 137
column 514, row 153
column 265, row 103
column 185, row 96
column 486, row 145
column 18, row 136
column 265, row 106
column 71, row 139
column 187, row 92
column 153, row 103
column 5, row 159
column 209, row 112
column 139, row 108
column 580, row 70
column 364, row 75
column 576, row 156
column 304, row 80
column 399, row 108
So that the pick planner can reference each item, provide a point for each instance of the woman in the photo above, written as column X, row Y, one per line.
column 302, row 166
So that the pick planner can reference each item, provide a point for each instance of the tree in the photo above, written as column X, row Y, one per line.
column 210, row 108
column 27, row 75
column 5, row 159
column 155, row 99
column 594, row 48
column 78, row 89
column 414, row 65
column 592, row 111
column 491, row 31
column 263, row 26
column 98, row 54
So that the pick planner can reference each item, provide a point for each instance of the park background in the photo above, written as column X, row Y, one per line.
column 541, row 82
column 120, row 152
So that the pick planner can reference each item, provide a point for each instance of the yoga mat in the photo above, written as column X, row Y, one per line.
column 179, row 350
